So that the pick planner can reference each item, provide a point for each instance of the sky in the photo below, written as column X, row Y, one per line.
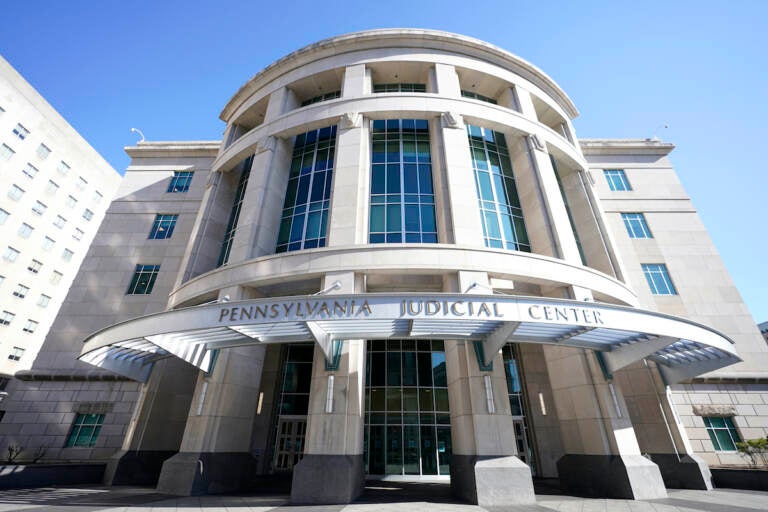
column 168, row 67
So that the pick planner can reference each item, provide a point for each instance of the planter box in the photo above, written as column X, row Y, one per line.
column 41, row 475
column 753, row 479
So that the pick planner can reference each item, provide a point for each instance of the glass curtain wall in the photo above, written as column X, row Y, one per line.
column 234, row 215
column 501, row 215
column 402, row 198
column 304, row 219
column 517, row 404
column 407, row 418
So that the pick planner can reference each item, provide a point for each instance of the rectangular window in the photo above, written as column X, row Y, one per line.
column 43, row 151
column 722, row 432
column 323, row 97
column 500, row 211
column 78, row 234
column 39, row 208
column 52, row 187
column 234, row 213
column 143, row 280
column 60, row 222
column 97, row 197
column 15, row 192
column 63, row 167
column 16, row 354
column 617, row 180
column 6, row 317
column 67, row 255
column 87, row 214
column 20, row 131
column 475, row 96
column 48, row 243
column 56, row 277
column 304, row 219
column 30, row 326
column 81, row 183
column 71, row 202
column 30, row 171
column 399, row 88
column 43, row 301
column 636, row 225
column 163, row 226
column 85, row 430
column 21, row 291
column 10, row 254
column 180, row 181
column 402, row 197
column 35, row 266
column 3, row 216
column 658, row 279
column 25, row 230
column 6, row 152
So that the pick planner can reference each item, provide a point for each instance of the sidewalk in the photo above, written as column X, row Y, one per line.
column 387, row 497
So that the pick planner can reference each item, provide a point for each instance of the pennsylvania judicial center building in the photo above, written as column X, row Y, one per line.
column 400, row 262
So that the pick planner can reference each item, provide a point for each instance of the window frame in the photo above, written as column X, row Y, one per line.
column 617, row 180
column 180, row 182
column 637, row 226
column 650, row 271
column 163, row 226
column 81, row 422
column 728, row 426
column 139, row 287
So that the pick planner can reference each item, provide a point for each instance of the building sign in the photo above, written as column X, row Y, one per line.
column 463, row 307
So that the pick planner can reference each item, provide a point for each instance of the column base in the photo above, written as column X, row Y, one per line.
column 490, row 481
column 327, row 479
column 686, row 472
column 192, row 474
column 136, row 467
column 611, row 476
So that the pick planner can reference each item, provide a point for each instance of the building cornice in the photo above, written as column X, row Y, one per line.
column 198, row 148
column 401, row 38
column 625, row 146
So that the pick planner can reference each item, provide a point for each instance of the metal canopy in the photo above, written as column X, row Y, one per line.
column 683, row 349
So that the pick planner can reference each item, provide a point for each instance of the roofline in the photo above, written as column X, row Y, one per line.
column 622, row 146
column 168, row 148
column 419, row 38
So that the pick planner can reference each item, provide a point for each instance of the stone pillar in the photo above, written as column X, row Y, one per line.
column 215, row 453
column 602, row 457
column 659, row 431
column 485, row 469
column 331, row 470
column 348, row 223
column 157, row 426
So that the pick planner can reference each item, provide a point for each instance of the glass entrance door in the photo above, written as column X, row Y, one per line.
column 407, row 418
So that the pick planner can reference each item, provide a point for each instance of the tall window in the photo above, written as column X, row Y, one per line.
column 43, row 151
column 35, row 266
column 617, row 180
column 10, row 254
column 43, row 301
column 501, row 215
column 304, row 219
column 20, row 291
column 30, row 326
column 39, row 208
column 25, row 230
column 6, row 152
column 85, row 430
column 722, row 432
column 60, row 222
column 56, row 277
column 163, row 226
column 402, row 197
column 3, row 216
column 658, row 279
column 20, row 131
column 234, row 214
column 30, row 171
column 636, row 225
column 6, row 317
column 87, row 214
column 63, row 167
column 16, row 354
column 15, row 192
column 143, row 280
column 180, row 181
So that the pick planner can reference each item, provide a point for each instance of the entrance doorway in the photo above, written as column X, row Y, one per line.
column 407, row 417
column 293, row 404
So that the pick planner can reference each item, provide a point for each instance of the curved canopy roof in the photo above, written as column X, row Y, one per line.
column 622, row 335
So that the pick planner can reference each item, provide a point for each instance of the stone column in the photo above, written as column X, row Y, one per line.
column 659, row 431
column 485, row 469
column 157, row 426
column 331, row 470
column 602, row 456
column 215, row 453
column 546, row 218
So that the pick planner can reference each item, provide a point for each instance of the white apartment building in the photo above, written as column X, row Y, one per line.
column 400, row 262
column 54, row 190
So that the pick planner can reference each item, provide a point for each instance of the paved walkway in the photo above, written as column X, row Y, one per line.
column 379, row 497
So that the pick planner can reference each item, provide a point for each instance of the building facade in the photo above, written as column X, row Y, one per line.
column 55, row 190
column 400, row 262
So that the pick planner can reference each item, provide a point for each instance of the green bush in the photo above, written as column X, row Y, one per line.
column 755, row 449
